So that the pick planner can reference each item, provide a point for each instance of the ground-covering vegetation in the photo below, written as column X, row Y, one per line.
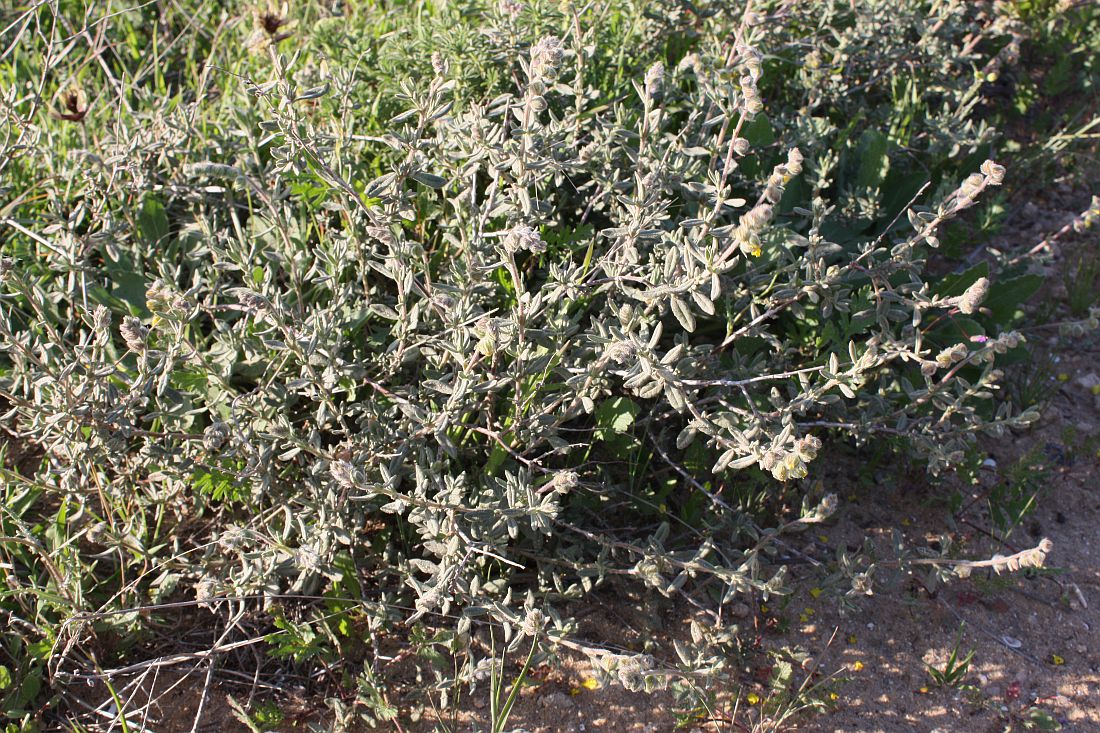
column 339, row 331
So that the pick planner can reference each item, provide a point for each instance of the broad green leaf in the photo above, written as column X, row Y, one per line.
column 874, row 159
column 957, row 283
column 759, row 132
column 615, row 415
column 1006, row 296
column 153, row 220
column 428, row 179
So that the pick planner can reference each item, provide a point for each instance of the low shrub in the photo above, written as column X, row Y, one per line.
column 444, row 321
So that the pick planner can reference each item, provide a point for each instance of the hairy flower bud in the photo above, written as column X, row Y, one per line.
column 972, row 186
column 619, row 352
column 751, row 103
column 994, row 172
column 969, row 301
column 807, row 447
column 757, row 217
column 545, row 57
column 951, row 355
column 206, row 589
column 215, row 435
column 343, row 473
column 796, row 467
column 165, row 302
column 101, row 323
column 308, row 558
column 749, row 56
column 253, row 302
column 794, row 161
column 439, row 64
column 134, row 334
column 563, row 482
column 533, row 622
column 510, row 8
column 654, row 80
column 691, row 63
column 824, row 509
column 522, row 237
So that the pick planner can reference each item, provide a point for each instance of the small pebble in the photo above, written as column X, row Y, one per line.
column 557, row 701
column 740, row 610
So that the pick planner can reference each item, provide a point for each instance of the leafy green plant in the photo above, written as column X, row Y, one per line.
column 1033, row 382
column 500, row 707
column 1080, row 283
column 954, row 669
column 1015, row 496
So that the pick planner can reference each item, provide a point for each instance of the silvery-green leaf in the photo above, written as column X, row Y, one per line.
column 312, row 93
column 683, row 314
column 428, row 179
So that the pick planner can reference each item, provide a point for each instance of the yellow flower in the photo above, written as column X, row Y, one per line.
column 753, row 698
column 1056, row 660
column 858, row 666
column 815, row 592
column 590, row 684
